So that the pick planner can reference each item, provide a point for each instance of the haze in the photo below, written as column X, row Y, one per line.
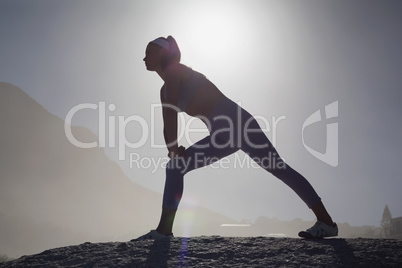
column 283, row 60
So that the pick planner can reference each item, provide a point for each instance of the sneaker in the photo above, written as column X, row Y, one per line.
column 153, row 235
column 320, row 230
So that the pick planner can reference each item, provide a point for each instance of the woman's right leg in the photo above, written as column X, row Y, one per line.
column 256, row 144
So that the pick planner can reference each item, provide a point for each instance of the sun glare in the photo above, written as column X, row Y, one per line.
column 213, row 30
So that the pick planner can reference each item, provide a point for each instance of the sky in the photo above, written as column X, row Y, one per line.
column 281, row 60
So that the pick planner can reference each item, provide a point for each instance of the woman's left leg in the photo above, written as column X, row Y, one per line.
column 200, row 154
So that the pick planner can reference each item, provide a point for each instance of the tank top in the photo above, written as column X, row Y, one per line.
column 187, row 89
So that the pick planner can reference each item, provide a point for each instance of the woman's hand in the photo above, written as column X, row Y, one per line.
column 179, row 152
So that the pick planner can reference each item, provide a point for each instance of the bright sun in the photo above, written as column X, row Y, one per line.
column 213, row 31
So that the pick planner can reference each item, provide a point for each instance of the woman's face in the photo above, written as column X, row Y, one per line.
column 153, row 57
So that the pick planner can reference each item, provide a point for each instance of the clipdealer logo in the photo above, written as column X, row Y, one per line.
column 118, row 123
column 109, row 124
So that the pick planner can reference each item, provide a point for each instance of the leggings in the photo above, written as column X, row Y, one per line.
column 231, row 129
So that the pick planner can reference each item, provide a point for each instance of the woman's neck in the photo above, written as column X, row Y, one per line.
column 161, row 73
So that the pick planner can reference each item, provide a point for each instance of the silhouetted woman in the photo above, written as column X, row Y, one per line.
column 231, row 129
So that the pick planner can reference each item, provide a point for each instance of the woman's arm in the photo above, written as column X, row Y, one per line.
column 169, row 126
column 169, row 111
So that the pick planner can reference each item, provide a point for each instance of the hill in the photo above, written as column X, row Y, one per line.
column 54, row 194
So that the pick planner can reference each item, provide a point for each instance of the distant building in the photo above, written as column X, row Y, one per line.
column 396, row 227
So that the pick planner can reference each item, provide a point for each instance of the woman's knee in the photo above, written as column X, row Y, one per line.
column 253, row 137
column 175, row 168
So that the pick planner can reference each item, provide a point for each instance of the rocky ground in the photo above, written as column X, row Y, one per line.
column 216, row 251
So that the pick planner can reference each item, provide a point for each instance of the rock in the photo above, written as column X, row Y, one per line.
column 215, row 251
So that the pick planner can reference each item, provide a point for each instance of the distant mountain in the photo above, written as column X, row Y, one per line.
column 53, row 193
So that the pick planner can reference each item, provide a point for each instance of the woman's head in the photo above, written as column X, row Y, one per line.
column 162, row 52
